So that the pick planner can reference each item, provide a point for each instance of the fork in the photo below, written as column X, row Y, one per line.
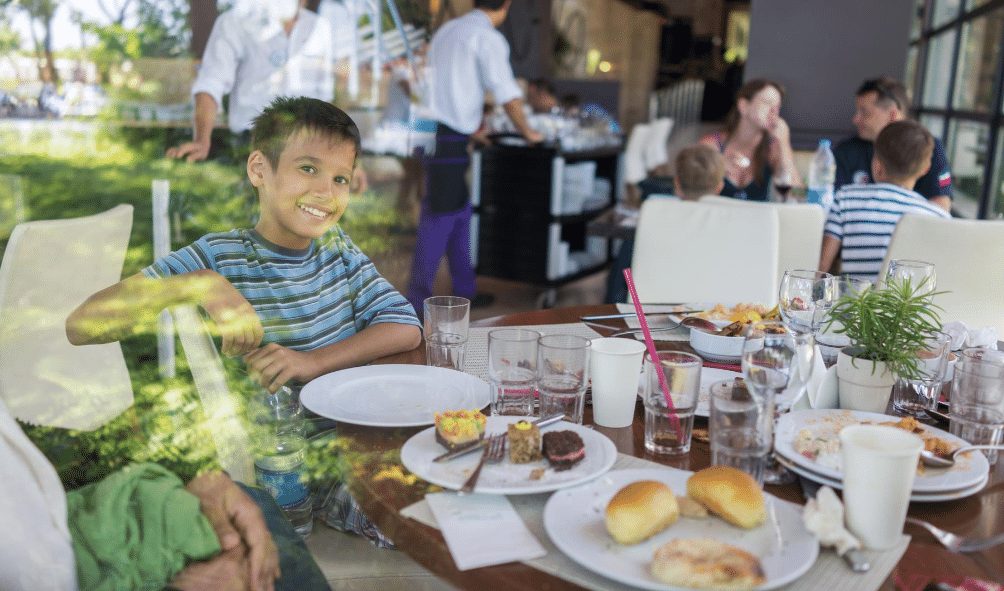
column 957, row 543
column 493, row 454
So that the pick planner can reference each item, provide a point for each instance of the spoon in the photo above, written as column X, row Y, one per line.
column 699, row 324
column 939, row 462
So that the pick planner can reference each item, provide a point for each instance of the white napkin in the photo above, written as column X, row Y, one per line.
column 963, row 336
column 824, row 517
column 482, row 530
column 814, row 397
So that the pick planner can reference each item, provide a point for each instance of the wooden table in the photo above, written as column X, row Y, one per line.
column 383, row 488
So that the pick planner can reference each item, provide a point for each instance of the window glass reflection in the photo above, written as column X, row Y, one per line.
column 967, row 153
column 910, row 77
column 944, row 11
column 935, row 124
column 938, row 71
column 978, row 54
column 997, row 189
column 917, row 22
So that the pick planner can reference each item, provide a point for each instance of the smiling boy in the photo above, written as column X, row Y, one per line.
column 294, row 296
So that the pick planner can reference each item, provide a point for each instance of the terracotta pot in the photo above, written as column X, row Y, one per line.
column 864, row 385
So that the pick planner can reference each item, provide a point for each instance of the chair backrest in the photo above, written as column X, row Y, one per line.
column 800, row 230
column 656, row 151
column 222, row 411
column 49, row 268
column 634, row 153
column 701, row 252
column 968, row 256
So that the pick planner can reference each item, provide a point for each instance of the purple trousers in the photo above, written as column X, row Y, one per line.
column 438, row 234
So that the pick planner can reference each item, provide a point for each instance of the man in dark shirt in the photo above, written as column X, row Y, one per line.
column 878, row 103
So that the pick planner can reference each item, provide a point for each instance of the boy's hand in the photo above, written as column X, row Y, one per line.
column 273, row 365
column 236, row 321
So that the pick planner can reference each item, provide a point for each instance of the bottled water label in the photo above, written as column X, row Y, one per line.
column 279, row 474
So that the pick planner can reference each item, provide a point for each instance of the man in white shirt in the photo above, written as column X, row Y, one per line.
column 467, row 58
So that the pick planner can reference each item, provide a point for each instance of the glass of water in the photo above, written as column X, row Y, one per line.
column 741, row 428
column 562, row 369
column 512, row 370
column 682, row 371
column 447, row 319
column 917, row 395
column 977, row 406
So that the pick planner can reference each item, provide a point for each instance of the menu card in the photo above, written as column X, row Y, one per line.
column 483, row 530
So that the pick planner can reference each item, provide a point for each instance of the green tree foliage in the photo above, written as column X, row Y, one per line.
column 161, row 30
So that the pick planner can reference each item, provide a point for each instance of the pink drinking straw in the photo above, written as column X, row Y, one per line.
column 653, row 353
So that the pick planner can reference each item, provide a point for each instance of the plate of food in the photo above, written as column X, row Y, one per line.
column 393, row 395
column 809, row 439
column 670, row 529
column 722, row 315
column 536, row 460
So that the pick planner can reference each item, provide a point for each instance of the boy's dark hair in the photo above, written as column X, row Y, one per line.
column 699, row 170
column 904, row 148
column 543, row 84
column 889, row 90
column 287, row 115
column 489, row 4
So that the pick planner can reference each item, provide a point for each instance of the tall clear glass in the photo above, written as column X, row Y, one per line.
column 563, row 375
column 741, row 428
column 447, row 319
column 829, row 339
column 682, row 372
column 512, row 370
column 977, row 405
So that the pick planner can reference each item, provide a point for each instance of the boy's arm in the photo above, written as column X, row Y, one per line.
column 131, row 307
column 273, row 365
column 831, row 247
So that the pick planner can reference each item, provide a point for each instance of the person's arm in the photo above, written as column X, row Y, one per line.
column 205, row 120
column 274, row 365
column 831, row 248
column 514, row 109
column 784, row 156
column 131, row 306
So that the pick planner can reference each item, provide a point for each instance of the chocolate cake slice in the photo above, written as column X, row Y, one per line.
column 563, row 449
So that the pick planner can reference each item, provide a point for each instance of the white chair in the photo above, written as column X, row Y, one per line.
column 968, row 256
column 700, row 252
column 222, row 413
column 800, row 230
column 634, row 153
column 49, row 268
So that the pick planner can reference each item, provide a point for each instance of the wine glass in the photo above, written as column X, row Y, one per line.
column 829, row 340
column 770, row 354
column 919, row 273
column 805, row 298
column 782, row 184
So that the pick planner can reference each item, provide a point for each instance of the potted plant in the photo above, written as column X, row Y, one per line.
column 886, row 328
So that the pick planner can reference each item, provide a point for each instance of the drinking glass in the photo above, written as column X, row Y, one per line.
column 918, row 273
column 562, row 367
column 829, row 340
column 741, row 428
column 805, row 298
column 447, row 319
column 916, row 396
column 682, row 372
column 512, row 370
column 977, row 406
column 782, row 184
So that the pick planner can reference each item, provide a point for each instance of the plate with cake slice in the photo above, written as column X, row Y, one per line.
column 536, row 460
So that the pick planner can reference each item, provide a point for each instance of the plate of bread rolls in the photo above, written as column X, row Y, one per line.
column 669, row 529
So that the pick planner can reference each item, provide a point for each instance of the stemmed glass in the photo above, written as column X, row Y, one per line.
column 782, row 184
column 917, row 272
column 829, row 340
column 768, row 355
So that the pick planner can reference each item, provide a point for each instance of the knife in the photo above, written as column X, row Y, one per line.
column 463, row 451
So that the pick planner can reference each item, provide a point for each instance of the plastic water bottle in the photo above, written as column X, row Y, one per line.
column 822, row 174
column 278, row 462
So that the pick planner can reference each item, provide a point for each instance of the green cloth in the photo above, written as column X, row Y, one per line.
column 136, row 529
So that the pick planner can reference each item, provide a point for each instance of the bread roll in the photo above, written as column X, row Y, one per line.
column 706, row 564
column 640, row 510
column 729, row 493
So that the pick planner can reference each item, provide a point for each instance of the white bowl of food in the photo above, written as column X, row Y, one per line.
column 714, row 347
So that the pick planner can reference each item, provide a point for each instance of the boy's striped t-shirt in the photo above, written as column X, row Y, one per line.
column 863, row 218
column 306, row 299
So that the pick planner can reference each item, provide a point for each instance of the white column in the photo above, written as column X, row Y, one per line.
column 161, row 247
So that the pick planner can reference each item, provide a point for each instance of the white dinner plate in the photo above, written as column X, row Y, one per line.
column 710, row 375
column 393, row 395
column 914, row 497
column 969, row 470
column 506, row 478
column 574, row 519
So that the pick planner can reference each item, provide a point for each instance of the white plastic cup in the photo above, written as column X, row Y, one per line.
column 880, row 464
column 615, row 365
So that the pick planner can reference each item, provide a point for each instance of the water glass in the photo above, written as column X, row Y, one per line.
column 614, row 366
column 562, row 367
column 804, row 299
column 916, row 396
column 682, row 371
column 447, row 319
column 918, row 273
column 977, row 406
column 828, row 338
column 512, row 370
column 741, row 428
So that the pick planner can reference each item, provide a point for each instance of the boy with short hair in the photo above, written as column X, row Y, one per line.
column 700, row 171
column 863, row 216
column 294, row 295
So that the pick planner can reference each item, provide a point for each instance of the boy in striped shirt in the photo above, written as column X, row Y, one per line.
column 863, row 216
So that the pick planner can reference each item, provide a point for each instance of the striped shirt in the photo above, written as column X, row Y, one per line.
column 306, row 299
column 863, row 218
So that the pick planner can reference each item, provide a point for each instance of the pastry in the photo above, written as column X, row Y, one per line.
column 691, row 508
column 456, row 428
column 706, row 564
column 729, row 493
column 563, row 449
column 640, row 510
column 524, row 442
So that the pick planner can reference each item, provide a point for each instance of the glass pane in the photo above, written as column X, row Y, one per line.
column 967, row 153
column 939, row 69
column 971, row 4
column 935, row 124
column 944, row 11
column 917, row 22
column 910, row 78
column 981, row 44
column 997, row 193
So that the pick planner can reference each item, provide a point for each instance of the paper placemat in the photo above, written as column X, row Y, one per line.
column 679, row 334
column 829, row 572
column 476, row 354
